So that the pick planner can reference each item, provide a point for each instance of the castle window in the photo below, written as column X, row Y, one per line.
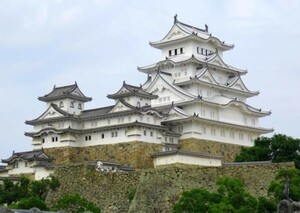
column 72, row 104
column 138, row 105
column 108, row 121
column 114, row 134
column 213, row 131
column 129, row 118
column 26, row 164
column 231, row 134
column 241, row 136
column 43, row 140
column 223, row 133
column 170, row 52
column 203, row 112
column 79, row 106
column 204, row 130
column 212, row 114
column 61, row 104
column 175, row 52
column 181, row 50
column 102, row 135
column 145, row 132
column 54, row 139
column 151, row 134
column 171, row 140
column 88, row 137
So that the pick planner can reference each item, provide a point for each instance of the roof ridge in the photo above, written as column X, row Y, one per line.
column 88, row 110
column 187, row 25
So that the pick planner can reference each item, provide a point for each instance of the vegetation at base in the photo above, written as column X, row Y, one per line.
column 286, row 175
column 278, row 148
column 131, row 193
column 76, row 204
column 230, row 197
column 25, row 193
column 28, row 203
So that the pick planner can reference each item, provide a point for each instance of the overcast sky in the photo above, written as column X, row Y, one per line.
column 99, row 43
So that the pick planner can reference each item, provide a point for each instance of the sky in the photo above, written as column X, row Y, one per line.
column 100, row 43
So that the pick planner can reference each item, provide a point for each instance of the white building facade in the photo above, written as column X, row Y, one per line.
column 189, row 93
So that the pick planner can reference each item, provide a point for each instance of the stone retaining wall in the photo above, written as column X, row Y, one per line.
column 156, row 189
column 138, row 154
column 228, row 151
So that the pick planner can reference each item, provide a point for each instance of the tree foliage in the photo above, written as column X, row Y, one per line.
column 26, row 193
column 276, row 187
column 230, row 197
column 76, row 204
column 278, row 148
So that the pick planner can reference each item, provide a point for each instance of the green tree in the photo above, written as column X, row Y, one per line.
column 75, row 203
column 278, row 148
column 30, row 202
column 11, row 192
column 276, row 187
column 230, row 197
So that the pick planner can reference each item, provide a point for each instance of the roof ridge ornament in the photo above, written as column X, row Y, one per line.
column 206, row 28
column 175, row 18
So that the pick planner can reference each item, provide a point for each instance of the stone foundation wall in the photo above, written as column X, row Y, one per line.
column 138, row 154
column 228, row 151
column 156, row 189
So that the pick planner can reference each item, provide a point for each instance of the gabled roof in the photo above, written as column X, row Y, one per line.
column 167, row 80
column 70, row 91
column 36, row 155
column 224, row 101
column 238, row 84
column 207, row 61
column 175, row 113
column 181, row 31
column 52, row 108
column 204, row 76
column 129, row 91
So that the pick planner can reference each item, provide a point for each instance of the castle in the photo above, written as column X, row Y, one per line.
column 192, row 109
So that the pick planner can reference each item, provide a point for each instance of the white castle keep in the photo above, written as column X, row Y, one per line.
column 189, row 93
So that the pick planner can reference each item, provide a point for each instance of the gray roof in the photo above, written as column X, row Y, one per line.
column 65, row 92
column 132, row 91
column 187, row 153
column 36, row 155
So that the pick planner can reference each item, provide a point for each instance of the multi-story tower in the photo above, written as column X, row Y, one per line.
column 208, row 95
column 191, row 101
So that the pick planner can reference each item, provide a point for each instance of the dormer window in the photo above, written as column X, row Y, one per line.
column 72, row 104
column 61, row 104
column 79, row 106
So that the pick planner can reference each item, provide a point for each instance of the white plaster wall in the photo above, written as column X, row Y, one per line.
column 21, row 169
column 232, row 114
column 42, row 173
column 191, row 160
column 219, row 133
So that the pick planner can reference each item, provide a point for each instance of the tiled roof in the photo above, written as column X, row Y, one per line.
column 64, row 92
column 28, row 156
column 132, row 91
column 187, row 153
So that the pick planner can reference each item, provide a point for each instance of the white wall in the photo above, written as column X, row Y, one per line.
column 184, row 159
